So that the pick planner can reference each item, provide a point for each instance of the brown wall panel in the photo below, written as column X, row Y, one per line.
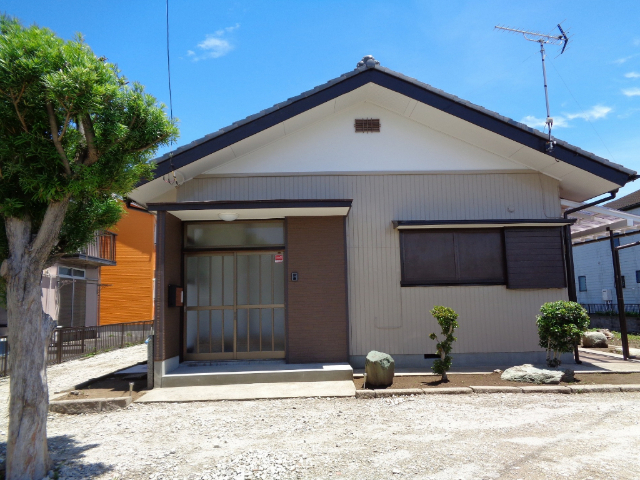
column 168, row 272
column 317, row 318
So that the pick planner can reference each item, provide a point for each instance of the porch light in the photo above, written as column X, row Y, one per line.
column 228, row 217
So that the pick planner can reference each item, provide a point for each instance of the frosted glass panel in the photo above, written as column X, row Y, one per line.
column 242, row 283
column 216, row 331
column 203, row 281
column 216, row 280
column 278, row 329
column 278, row 283
column 228, row 279
column 254, row 330
column 192, row 270
column 235, row 234
column 203, row 332
column 192, row 331
column 266, row 329
column 241, row 329
column 228, row 330
column 266, row 262
column 254, row 279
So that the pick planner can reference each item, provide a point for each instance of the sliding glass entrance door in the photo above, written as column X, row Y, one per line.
column 234, row 306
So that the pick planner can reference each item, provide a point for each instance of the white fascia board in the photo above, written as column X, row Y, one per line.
column 260, row 213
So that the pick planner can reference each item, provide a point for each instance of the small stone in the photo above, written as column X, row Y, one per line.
column 497, row 370
column 527, row 373
column 395, row 471
column 75, row 392
column 379, row 368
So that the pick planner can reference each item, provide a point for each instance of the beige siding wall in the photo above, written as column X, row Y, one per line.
column 383, row 315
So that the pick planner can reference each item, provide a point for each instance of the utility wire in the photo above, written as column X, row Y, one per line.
column 172, row 181
column 586, row 117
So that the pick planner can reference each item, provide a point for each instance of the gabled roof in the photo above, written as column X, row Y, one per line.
column 627, row 202
column 369, row 71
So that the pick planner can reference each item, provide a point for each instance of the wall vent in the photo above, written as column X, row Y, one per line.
column 367, row 125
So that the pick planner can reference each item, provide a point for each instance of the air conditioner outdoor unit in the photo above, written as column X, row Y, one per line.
column 607, row 295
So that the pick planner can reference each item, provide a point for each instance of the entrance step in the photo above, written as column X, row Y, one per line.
column 231, row 373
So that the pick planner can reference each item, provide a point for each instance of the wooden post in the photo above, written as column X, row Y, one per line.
column 622, row 316
column 59, row 346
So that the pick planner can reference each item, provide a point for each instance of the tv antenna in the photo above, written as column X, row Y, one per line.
column 542, row 39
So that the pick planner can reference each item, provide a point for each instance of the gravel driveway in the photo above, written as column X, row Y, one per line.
column 511, row 436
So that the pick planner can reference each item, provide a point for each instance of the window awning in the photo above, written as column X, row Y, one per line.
column 254, row 209
column 592, row 223
column 494, row 223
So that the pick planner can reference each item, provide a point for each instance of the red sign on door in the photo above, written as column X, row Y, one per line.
column 279, row 258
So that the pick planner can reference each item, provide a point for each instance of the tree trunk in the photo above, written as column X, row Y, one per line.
column 29, row 331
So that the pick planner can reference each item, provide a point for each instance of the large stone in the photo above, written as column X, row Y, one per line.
column 529, row 374
column 379, row 368
column 634, row 352
column 594, row 340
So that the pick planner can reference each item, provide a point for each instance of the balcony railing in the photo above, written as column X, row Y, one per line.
column 101, row 250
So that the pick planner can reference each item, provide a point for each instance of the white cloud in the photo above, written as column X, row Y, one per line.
column 535, row 122
column 632, row 75
column 622, row 60
column 631, row 92
column 595, row 113
column 214, row 45
column 562, row 121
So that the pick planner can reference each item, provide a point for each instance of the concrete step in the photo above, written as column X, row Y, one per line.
column 235, row 374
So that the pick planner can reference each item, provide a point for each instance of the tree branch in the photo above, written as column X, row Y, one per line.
column 49, row 230
column 158, row 140
column 15, row 104
column 90, row 137
column 56, row 139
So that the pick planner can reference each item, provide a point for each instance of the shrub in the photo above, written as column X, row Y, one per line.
column 447, row 320
column 560, row 325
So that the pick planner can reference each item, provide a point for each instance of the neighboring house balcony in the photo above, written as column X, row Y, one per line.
column 101, row 251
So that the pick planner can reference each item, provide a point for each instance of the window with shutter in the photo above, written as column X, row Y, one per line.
column 535, row 258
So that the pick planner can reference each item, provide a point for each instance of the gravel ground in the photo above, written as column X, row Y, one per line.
column 510, row 436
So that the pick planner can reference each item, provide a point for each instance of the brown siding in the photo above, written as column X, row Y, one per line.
column 168, row 272
column 317, row 303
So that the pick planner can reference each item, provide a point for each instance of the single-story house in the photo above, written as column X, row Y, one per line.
column 330, row 224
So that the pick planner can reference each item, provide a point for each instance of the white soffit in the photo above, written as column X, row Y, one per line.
column 260, row 213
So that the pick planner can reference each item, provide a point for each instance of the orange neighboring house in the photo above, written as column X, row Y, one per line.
column 127, row 293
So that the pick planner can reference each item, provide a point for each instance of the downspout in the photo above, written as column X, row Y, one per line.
column 568, row 252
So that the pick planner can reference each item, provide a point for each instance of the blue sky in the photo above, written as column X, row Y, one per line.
column 232, row 59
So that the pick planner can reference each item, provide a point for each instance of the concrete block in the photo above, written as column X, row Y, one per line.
column 492, row 389
column 365, row 394
column 546, row 389
column 397, row 392
column 594, row 388
column 629, row 388
column 94, row 405
column 447, row 391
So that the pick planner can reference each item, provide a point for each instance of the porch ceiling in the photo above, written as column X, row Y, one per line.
column 592, row 223
column 255, row 210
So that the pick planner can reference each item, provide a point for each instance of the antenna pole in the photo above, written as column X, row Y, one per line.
column 541, row 38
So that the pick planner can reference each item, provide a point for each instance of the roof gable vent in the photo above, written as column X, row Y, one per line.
column 367, row 125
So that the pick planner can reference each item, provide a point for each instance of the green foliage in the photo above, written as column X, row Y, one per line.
column 446, row 318
column 71, row 127
column 560, row 325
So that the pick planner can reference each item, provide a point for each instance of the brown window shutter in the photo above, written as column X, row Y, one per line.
column 535, row 258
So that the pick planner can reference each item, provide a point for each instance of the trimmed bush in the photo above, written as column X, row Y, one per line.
column 560, row 326
column 447, row 320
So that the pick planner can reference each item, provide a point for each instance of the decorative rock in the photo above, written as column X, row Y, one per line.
column 594, row 340
column 606, row 333
column 379, row 368
column 529, row 374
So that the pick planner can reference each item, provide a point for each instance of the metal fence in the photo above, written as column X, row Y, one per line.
column 611, row 308
column 68, row 343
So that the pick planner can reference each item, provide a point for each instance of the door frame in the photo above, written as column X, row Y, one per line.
column 234, row 355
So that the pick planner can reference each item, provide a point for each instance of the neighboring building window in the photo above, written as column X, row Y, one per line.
column 624, row 285
column 70, row 272
column 520, row 258
column 637, row 276
column 582, row 283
